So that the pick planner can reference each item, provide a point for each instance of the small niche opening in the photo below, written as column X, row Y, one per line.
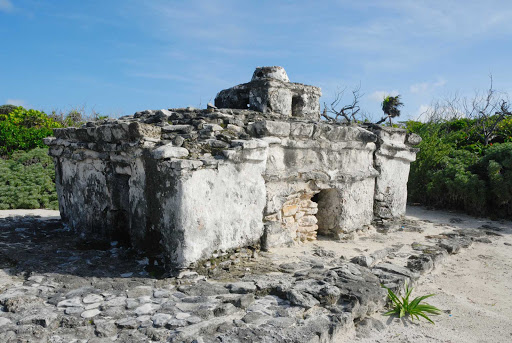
column 119, row 212
column 297, row 105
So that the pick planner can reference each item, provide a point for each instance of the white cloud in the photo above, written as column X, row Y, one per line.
column 426, row 86
column 380, row 95
column 16, row 102
column 6, row 6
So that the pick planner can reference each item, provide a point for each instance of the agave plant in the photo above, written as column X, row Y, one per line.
column 414, row 308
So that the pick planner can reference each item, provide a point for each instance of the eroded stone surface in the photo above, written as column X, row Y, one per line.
column 315, row 298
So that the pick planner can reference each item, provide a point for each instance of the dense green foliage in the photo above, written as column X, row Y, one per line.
column 455, row 169
column 23, row 129
column 27, row 174
column 6, row 109
column 27, row 180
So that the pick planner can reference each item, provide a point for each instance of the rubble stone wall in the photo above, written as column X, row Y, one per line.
column 298, row 216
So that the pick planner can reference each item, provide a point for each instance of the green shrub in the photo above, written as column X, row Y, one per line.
column 454, row 169
column 27, row 180
column 75, row 117
column 453, row 185
column 495, row 167
column 433, row 149
column 6, row 109
column 23, row 129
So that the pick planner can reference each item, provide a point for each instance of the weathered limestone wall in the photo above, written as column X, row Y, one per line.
column 211, row 209
column 392, row 159
column 148, row 198
column 183, row 184
column 298, row 216
column 98, row 181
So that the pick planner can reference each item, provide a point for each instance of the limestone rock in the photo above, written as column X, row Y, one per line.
column 275, row 73
column 90, row 313
column 169, row 151
column 301, row 299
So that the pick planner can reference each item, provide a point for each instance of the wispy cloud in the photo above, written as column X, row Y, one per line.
column 6, row 6
column 401, row 34
column 217, row 21
column 378, row 96
column 425, row 87
column 248, row 52
column 161, row 76
column 16, row 102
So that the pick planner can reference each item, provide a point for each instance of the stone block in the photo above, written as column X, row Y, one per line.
column 169, row 151
column 302, row 130
column 177, row 128
column 269, row 128
column 139, row 130
column 307, row 221
column 290, row 210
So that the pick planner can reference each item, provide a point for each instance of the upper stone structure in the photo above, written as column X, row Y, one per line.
column 270, row 91
column 274, row 73
column 184, row 184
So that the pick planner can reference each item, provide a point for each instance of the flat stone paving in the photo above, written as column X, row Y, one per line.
column 56, row 288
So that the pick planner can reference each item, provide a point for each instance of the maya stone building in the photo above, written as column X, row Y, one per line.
column 258, row 169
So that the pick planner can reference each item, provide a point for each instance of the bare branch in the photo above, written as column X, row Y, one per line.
column 487, row 109
column 347, row 113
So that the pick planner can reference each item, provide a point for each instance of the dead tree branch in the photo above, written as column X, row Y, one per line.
column 347, row 113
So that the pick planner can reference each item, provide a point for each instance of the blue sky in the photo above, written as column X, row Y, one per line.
column 118, row 57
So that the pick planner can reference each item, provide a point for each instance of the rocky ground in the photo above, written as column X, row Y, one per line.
column 56, row 288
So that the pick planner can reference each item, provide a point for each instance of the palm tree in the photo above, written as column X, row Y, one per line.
column 390, row 107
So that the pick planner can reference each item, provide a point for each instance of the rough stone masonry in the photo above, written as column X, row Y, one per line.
column 257, row 169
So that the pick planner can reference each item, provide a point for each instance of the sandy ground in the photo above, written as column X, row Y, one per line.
column 474, row 288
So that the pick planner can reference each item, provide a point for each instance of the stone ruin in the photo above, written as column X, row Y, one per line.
column 258, row 169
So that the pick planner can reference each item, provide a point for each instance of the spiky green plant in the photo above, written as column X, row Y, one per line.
column 415, row 309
